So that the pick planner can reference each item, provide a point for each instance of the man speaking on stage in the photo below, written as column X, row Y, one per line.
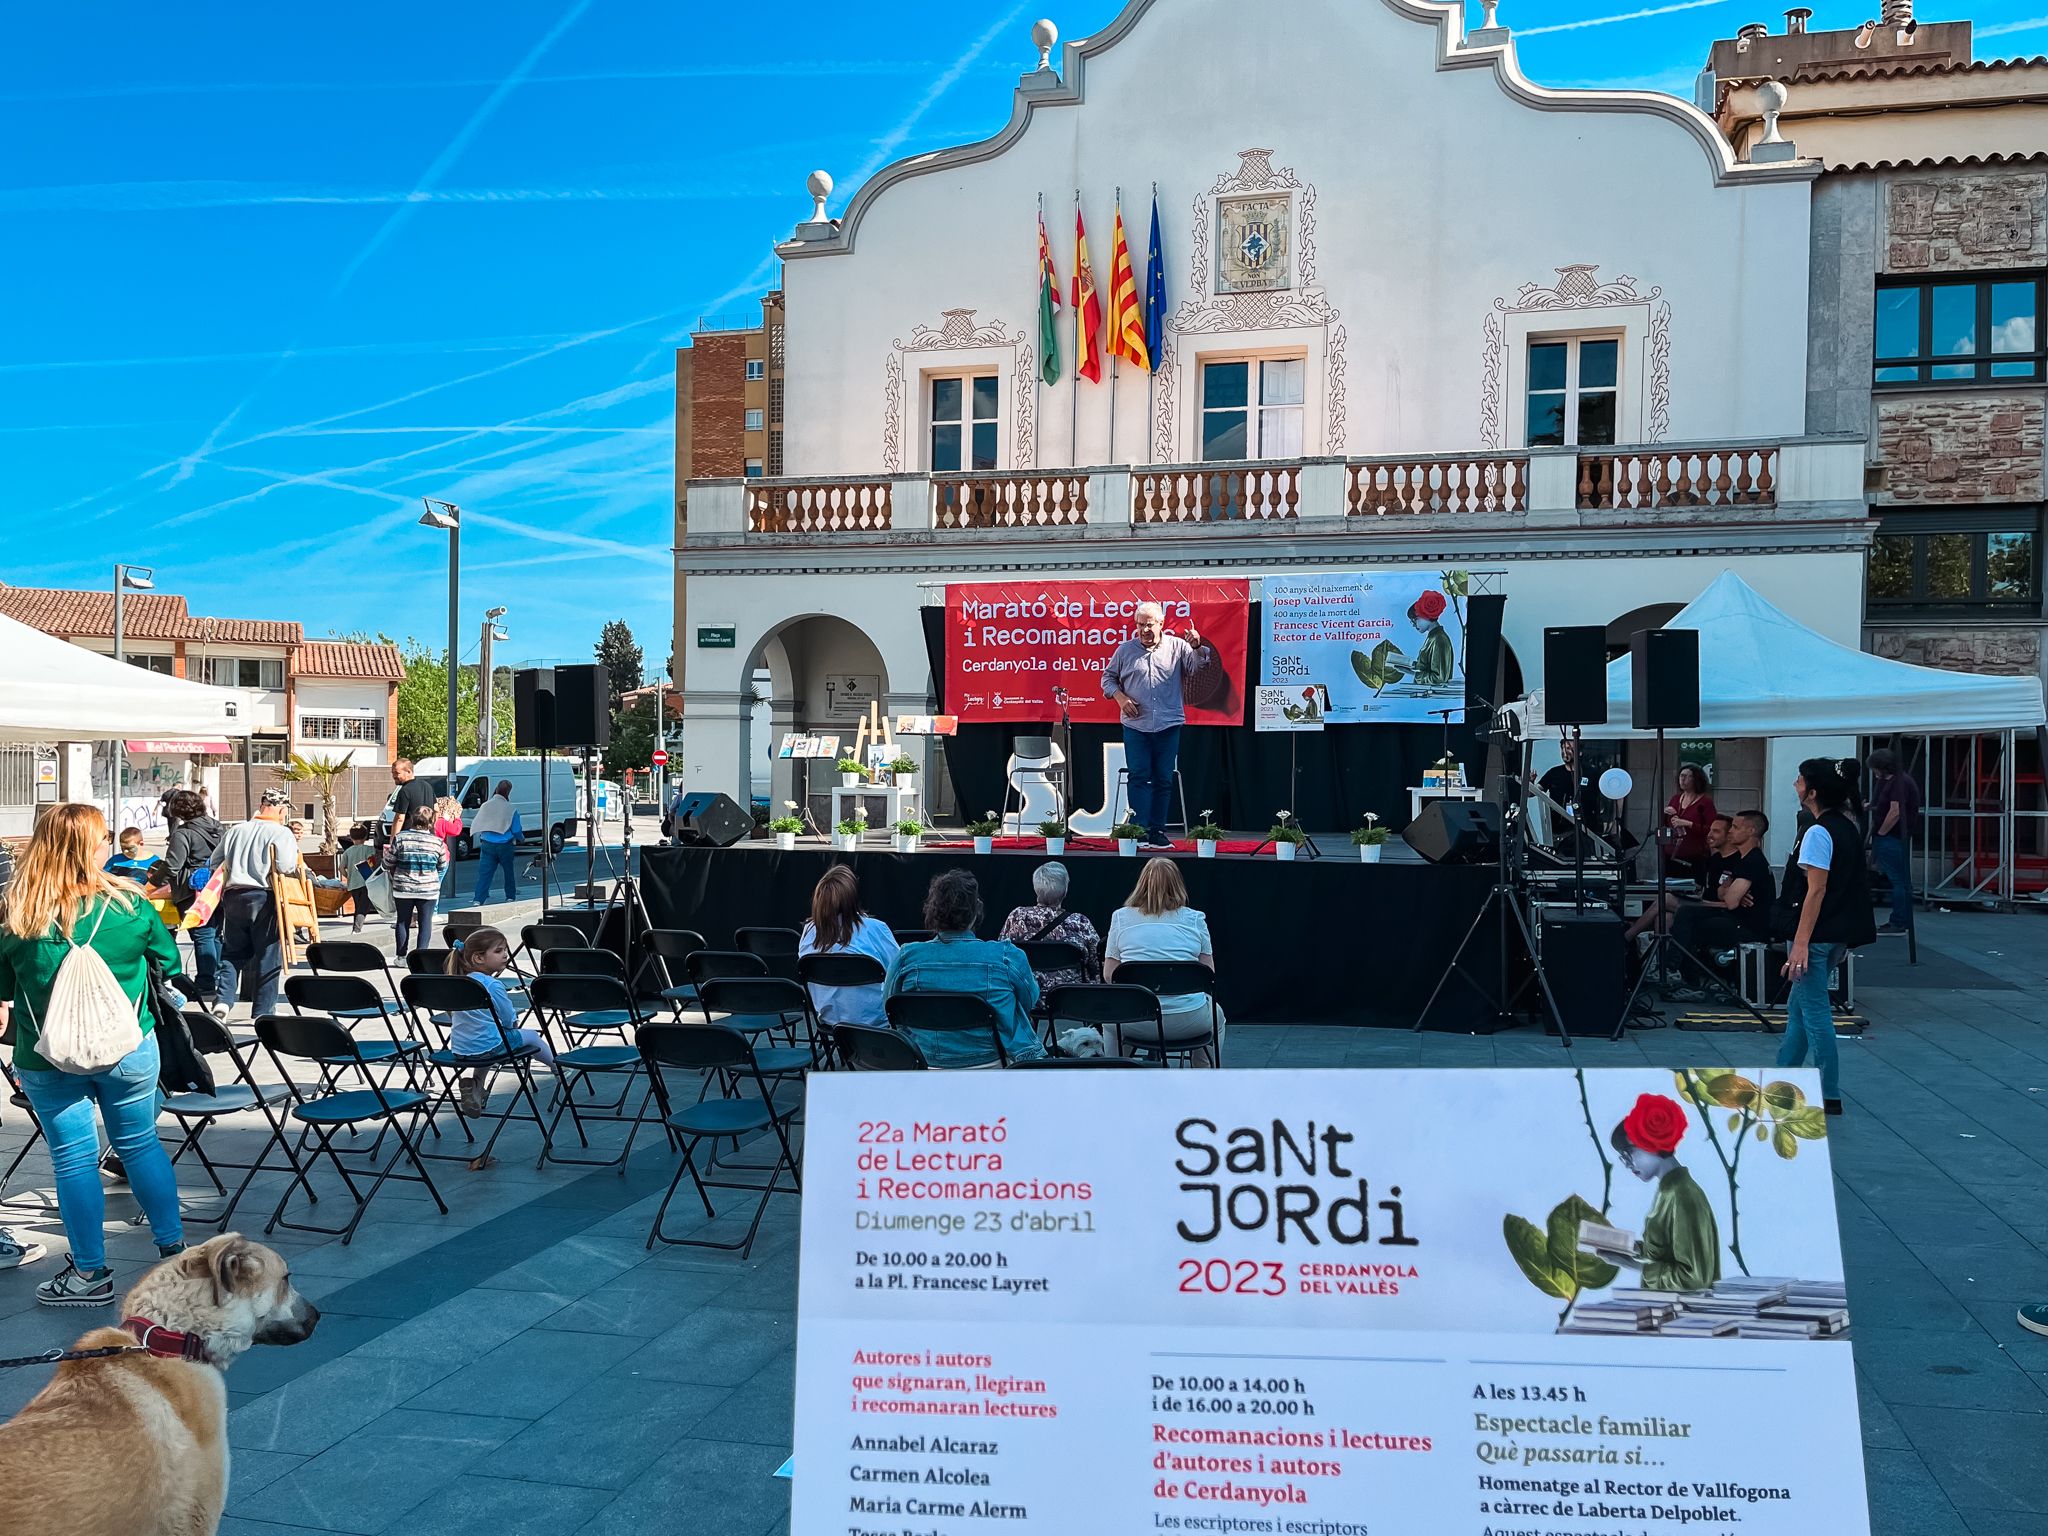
column 1145, row 676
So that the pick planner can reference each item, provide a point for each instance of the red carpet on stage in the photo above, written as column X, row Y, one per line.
column 1088, row 845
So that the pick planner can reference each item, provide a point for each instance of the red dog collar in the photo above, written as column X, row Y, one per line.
column 167, row 1343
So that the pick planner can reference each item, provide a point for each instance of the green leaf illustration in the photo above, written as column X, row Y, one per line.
column 1784, row 1143
column 1591, row 1271
column 1806, row 1122
column 1369, row 669
column 1735, row 1122
column 1457, row 583
column 1730, row 1090
column 1762, row 1131
column 1532, row 1253
column 1783, row 1096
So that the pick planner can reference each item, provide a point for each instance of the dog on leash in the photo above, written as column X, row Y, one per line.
column 137, row 1444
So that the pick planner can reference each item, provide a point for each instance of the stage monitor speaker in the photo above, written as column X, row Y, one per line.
column 1575, row 675
column 583, row 715
column 1665, row 669
column 1582, row 961
column 1456, row 832
column 708, row 819
column 533, row 709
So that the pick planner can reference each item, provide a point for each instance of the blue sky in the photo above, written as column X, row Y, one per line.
column 274, row 273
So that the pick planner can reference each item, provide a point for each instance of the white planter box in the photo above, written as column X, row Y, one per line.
column 1369, row 853
column 1127, row 846
column 984, row 845
column 848, row 780
column 905, row 844
column 1284, row 852
column 1055, row 846
column 846, row 842
column 1205, row 848
column 785, row 841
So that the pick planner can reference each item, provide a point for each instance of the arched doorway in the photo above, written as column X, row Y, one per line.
column 816, row 673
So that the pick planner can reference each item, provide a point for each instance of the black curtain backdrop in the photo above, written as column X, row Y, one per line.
column 1329, row 941
column 1238, row 772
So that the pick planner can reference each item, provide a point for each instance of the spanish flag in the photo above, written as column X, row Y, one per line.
column 1126, row 314
column 1087, row 308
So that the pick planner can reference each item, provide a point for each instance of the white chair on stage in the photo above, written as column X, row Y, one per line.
column 1116, row 783
column 1029, row 772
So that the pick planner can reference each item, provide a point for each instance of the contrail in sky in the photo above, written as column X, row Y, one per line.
column 1608, row 21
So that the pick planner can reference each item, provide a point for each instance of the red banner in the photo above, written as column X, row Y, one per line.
column 1011, row 644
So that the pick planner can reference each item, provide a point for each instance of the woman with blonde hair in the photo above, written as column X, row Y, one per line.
column 1158, row 924
column 60, row 899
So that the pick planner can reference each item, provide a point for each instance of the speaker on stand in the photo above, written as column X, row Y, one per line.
column 533, row 730
column 1575, row 695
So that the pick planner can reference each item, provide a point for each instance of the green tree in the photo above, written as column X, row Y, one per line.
column 423, row 705
column 632, row 743
column 619, row 654
column 320, row 772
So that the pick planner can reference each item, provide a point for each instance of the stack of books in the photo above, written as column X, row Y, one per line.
column 1623, row 1311
column 1744, row 1306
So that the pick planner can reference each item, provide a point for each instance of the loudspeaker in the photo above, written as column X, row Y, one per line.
column 533, row 709
column 708, row 819
column 1575, row 675
column 583, row 714
column 1456, row 832
column 1665, row 667
column 1582, row 960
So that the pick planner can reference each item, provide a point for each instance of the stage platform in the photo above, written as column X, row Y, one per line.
column 1326, row 941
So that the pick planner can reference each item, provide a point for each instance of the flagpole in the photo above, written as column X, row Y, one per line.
column 1038, row 383
column 1152, row 374
column 1115, row 224
column 1074, row 404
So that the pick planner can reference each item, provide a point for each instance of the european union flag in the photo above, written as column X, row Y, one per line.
column 1155, row 293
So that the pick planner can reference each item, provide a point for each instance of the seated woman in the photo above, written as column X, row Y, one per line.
column 1049, row 921
column 839, row 927
column 956, row 961
column 1158, row 924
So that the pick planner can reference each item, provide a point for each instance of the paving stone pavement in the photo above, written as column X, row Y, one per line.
column 525, row 1364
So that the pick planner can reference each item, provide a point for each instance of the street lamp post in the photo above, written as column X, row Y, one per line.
column 446, row 516
column 127, row 578
column 486, row 722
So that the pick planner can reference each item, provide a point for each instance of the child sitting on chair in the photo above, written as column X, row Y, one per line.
column 480, row 955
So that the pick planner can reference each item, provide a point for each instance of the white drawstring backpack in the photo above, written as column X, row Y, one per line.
column 89, row 1023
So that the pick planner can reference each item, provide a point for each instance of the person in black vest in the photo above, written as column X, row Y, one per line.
column 1827, row 884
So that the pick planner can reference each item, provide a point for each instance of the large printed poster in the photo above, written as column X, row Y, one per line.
column 1354, row 1303
column 1010, row 644
column 1390, row 645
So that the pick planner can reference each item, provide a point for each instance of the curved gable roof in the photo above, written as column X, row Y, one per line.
column 1069, row 89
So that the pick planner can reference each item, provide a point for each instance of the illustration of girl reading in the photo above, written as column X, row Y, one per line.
column 1436, row 663
column 1680, row 1248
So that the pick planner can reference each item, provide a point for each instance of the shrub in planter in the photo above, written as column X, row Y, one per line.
column 852, row 829
column 1054, row 831
column 1369, row 839
column 850, row 772
column 1286, row 834
column 984, row 832
column 908, row 831
column 785, row 828
column 1128, row 835
column 1206, row 835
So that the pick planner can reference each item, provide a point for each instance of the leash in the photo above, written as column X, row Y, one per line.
column 59, row 1356
column 150, row 1339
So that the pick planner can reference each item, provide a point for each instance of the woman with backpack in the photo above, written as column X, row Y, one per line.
column 193, row 850
column 75, row 947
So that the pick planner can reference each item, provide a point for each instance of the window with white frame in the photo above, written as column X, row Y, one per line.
column 163, row 665
column 1573, row 391
column 755, row 419
column 1252, row 408
column 245, row 671
column 961, row 417
column 341, row 728
column 757, row 368
column 753, row 468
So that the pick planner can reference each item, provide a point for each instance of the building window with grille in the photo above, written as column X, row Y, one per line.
column 757, row 368
column 1988, row 559
column 1573, row 393
column 246, row 672
column 258, row 750
column 341, row 728
column 962, row 422
column 163, row 665
column 1252, row 408
column 1977, row 330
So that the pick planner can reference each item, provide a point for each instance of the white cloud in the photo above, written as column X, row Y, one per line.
column 2007, row 28
column 1608, row 21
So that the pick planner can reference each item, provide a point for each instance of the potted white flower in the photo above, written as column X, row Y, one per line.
column 1286, row 836
column 1128, row 835
column 1206, row 835
column 908, row 831
column 1369, row 839
column 786, row 828
column 849, row 772
column 903, row 769
column 984, row 832
column 852, row 830
column 1054, row 831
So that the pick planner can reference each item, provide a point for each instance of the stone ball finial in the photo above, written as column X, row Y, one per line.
column 1045, row 37
column 1771, row 97
column 819, row 184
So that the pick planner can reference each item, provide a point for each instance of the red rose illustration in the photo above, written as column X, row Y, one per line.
column 1656, row 1124
column 1428, row 606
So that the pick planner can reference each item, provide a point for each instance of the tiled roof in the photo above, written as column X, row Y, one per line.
column 251, row 631
column 144, row 616
column 1915, row 67
column 350, row 658
column 1931, row 163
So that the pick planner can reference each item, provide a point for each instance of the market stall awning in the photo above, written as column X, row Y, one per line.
column 51, row 690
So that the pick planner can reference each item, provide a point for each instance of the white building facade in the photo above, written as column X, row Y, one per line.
column 1419, row 311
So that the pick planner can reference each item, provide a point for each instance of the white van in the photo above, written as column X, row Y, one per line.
column 475, row 778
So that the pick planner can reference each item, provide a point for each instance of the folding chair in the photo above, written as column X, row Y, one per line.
column 914, row 935
column 195, row 1114
column 1175, row 978
column 19, row 1099
column 326, row 1042
column 589, row 1006
column 840, row 970
column 713, row 1048
column 948, row 1013
column 427, row 962
column 777, row 946
column 865, row 1048
column 438, row 997
column 1046, row 956
column 352, row 957
column 582, row 961
column 761, row 1005
column 539, row 938
column 351, row 999
column 1121, row 1011
column 672, row 948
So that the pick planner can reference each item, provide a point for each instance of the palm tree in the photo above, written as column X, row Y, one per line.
column 320, row 772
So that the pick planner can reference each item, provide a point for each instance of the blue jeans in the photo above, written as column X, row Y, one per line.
column 1810, row 1019
column 126, row 1095
column 248, row 942
column 1150, row 756
column 1888, row 852
column 490, row 858
column 206, row 958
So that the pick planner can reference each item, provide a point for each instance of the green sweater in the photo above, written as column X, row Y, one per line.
column 128, row 935
column 1681, row 1241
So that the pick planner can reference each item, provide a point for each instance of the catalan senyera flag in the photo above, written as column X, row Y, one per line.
column 1048, row 302
column 1126, row 314
column 1087, row 309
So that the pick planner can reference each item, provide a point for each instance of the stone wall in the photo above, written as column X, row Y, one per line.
column 1962, row 447
column 1967, row 222
column 2012, row 651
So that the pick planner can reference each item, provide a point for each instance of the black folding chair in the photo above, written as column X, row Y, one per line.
column 195, row 1114
column 439, row 997
column 591, row 1006
column 427, row 962
column 948, row 1013
column 1174, row 978
column 837, row 970
column 19, row 1100
column 712, row 1048
column 1121, row 1011
column 914, row 935
column 353, row 999
column 671, row 948
column 539, row 938
column 352, row 957
column 777, row 946
column 326, row 1042
column 764, row 1005
column 865, row 1048
column 1047, row 956
column 582, row 961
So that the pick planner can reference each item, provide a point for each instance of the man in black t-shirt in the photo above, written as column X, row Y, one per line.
column 413, row 794
column 1738, row 907
column 1710, row 870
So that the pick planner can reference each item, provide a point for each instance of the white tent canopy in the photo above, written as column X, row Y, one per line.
column 1762, row 673
column 51, row 690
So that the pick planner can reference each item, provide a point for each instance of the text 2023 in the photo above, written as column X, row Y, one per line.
column 1228, row 1277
